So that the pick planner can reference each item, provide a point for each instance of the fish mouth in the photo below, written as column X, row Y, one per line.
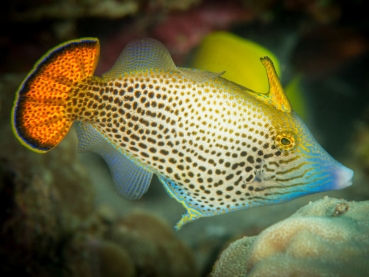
column 343, row 177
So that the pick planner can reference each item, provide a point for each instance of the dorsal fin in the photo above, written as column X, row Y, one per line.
column 148, row 53
column 276, row 96
column 142, row 54
column 199, row 75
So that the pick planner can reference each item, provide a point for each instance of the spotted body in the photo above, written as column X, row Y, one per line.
column 216, row 146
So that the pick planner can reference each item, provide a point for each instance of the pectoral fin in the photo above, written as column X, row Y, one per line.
column 131, row 180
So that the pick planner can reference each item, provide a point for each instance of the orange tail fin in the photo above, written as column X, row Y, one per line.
column 39, row 116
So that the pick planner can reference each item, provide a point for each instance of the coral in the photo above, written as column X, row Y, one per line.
column 73, row 9
column 98, row 258
column 112, row 260
column 329, row 237
column 180, row 32
column 152, row 246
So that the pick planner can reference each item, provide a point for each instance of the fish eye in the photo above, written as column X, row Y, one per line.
column 285, row 141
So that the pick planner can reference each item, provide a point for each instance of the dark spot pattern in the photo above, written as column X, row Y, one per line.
column 193, row 133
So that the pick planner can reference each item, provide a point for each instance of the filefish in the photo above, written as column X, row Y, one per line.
column 216, row 146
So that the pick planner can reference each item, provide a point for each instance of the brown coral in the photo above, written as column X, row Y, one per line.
column 152, row 246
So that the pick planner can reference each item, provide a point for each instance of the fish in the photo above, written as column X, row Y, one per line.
column 239, row 52
column 216, row 146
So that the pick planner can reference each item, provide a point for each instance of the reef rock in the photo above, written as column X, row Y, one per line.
column 152, row 246
column 329, row 237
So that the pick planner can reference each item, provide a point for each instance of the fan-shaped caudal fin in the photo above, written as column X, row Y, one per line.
column 39, row 116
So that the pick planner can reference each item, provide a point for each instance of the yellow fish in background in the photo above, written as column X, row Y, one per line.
column 240, row 59
column 216, row 146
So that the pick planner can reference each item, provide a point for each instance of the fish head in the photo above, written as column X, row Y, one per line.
column 292, row 163
column 297, row 164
